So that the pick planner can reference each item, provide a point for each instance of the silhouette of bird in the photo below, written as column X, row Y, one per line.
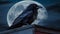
column 27, row 17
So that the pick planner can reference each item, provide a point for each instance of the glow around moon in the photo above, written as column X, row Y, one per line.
column 18, row 8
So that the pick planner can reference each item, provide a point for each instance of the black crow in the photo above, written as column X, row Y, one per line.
column 27, row 17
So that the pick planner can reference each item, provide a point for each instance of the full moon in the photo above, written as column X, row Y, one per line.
column 18, row 8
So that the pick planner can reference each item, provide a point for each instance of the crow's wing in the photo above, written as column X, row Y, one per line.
column 22, row 16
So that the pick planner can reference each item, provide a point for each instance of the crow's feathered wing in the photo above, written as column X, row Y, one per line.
column 23, row 19
column 23, row 16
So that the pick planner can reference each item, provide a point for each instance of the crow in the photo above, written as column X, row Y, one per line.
column 27, row 17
